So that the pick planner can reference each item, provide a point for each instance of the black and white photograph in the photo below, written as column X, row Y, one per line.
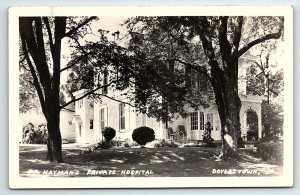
column 116, row 97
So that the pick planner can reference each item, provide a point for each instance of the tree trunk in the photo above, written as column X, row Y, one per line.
column 54, row 144
column 225, row 85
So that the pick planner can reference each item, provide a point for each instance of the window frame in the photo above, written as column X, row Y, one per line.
column 122, row 124
column 102, row 119
column 211, row 117
column 201, row 121
column 194, row 117
column 91, row 123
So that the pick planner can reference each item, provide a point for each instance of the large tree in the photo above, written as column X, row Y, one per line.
column 41, row 43
column 224, row 40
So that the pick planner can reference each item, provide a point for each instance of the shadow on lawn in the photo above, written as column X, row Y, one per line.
column 162, row 161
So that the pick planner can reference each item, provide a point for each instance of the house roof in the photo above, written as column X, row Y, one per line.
column 69, row 108
column 79, row 92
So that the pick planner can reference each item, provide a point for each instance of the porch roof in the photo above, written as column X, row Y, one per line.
column 76, row 119
column 252, row 98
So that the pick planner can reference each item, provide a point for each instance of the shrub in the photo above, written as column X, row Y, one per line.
column 108, row 133
column 35, row 136
column 207, row 134
column 143, row 135
column 271, row 151
column 166, row 143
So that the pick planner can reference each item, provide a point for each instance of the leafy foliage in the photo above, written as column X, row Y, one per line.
column 272, row 116
column 271, row 151
column 143, row 135
column 161, row 47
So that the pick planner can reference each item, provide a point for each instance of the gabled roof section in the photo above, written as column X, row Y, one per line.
column 79, row 92
column 76, row 119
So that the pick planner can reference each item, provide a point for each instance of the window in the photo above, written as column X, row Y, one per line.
column 201, row 121
column 105, row 82
column 217, row 123
column 144, row 119
column 199, row 82
column 202, row 84
column 80, row 103
column 101, row 119
column 194, row 121
column 122, row 116
column 79, row 127
column 91, row 124
column 210, row 118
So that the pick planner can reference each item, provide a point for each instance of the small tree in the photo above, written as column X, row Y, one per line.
column 143, row 135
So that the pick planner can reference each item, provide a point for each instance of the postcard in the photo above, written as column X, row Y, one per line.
column 150, row 97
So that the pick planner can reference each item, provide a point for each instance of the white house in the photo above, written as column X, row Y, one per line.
column 91, row 117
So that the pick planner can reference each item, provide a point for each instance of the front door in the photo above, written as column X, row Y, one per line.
column 197, row 125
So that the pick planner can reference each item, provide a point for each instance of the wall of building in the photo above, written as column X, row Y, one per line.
column 197, row 134
column 84, row 109
column 67, row 129
column 111, row 118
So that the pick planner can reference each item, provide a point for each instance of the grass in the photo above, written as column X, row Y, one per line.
column 154, row 162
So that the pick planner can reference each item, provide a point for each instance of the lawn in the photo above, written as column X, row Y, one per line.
column 153, row 162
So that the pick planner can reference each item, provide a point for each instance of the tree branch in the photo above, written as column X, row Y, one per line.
column 120, row 101
column 80, row 25
column 225, row 46
column 276, row 35
column 34, row 76
column 198, row 68
column 21, row 61
column 86, row 94
column 73, row 63
column 79, row 45
column 46, row 21
column 33, row 38
column 237, row 34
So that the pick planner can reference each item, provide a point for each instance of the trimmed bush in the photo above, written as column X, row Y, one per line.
column 143, row 135
column 108, row 133
column 271, row 151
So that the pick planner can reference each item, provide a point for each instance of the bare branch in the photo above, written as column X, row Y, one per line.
column 276, row 35
column 86, row 94
column 79, row 45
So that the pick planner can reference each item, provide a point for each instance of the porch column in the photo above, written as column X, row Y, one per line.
column 259, row 117
column 188, row 126
column 243, row 121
